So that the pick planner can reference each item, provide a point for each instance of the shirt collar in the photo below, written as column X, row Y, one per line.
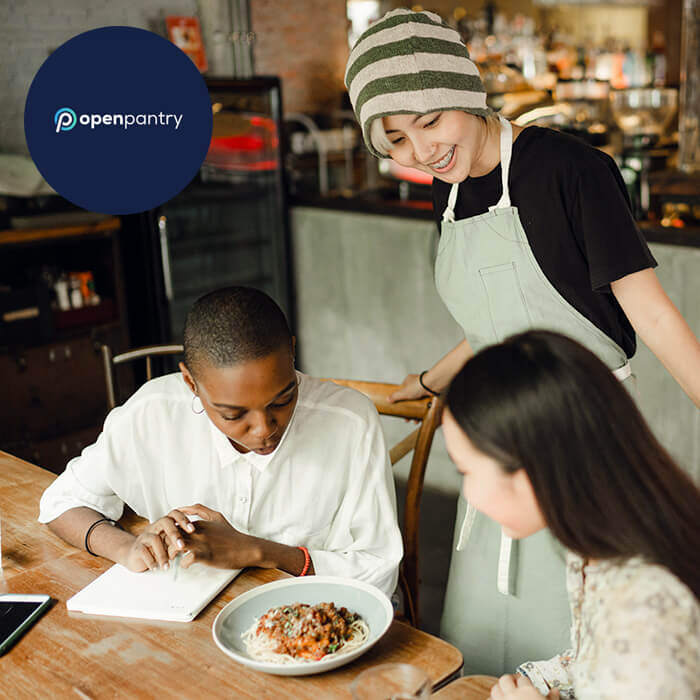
column 228, row 454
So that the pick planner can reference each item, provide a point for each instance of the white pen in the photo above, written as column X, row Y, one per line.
column 175, row 565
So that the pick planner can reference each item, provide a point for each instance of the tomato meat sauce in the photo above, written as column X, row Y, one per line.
column 307, row 631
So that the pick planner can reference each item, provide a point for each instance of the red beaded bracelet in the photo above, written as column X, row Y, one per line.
column 307, row 561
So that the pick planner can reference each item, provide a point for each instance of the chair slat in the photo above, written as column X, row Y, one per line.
column 137, row 353
column 147, row 352
column 401, row 449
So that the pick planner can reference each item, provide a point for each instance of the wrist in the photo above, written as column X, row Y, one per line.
column 258, row 554
column 424, row 382
column 111, row 540
column 306, row 569
column 281, row 556
column 121, row 551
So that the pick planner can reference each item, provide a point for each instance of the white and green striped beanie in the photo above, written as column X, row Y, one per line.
column 411, row 63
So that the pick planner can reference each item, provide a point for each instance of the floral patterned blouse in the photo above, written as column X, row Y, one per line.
column 635, row 634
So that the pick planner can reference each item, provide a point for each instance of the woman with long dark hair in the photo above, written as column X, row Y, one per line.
column 546, row 437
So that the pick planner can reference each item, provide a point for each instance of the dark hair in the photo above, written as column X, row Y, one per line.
column 233, row 325
column 606, row 487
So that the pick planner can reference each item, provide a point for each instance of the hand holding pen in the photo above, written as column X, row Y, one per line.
column 160, row 543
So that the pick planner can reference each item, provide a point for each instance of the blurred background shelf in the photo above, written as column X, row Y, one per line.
column 50, row 361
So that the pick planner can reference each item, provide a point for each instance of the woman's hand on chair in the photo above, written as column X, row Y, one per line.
column 410, row 389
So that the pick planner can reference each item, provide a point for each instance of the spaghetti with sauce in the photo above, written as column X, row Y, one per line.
column 301, row 632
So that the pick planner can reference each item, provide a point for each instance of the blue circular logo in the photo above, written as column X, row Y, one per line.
column 64, row 119
column 118, row 120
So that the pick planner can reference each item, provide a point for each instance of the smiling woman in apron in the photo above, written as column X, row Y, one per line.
column 536, row 232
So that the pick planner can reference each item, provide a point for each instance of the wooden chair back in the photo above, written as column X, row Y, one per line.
column 109, row 361
column 427, row 411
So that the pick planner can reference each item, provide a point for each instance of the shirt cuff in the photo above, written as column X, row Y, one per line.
column 362, row 567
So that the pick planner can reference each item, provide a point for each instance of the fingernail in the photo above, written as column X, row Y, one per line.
column 165, row 566
column 180, row 544
column 190, row 527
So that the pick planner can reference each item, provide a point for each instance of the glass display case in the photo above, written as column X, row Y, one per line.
column 228, row 227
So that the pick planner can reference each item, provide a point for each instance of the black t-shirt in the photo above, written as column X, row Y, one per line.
column 575, row 210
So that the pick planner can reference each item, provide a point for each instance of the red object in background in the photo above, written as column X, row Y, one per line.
column 401, row 172
column 238, row 143
column 185, row 33
column 253, row 150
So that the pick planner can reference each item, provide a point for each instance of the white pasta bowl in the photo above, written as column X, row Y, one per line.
column 358, row 597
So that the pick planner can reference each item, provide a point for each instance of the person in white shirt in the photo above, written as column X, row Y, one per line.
column 546, row 436
column 282, row 470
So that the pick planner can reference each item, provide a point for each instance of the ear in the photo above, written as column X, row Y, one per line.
column 294, row 346
column 189, row 379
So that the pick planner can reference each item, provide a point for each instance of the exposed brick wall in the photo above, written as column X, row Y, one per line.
column 304, row 42
column 31, row 29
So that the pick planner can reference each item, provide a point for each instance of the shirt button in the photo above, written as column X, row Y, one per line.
column 243, row 499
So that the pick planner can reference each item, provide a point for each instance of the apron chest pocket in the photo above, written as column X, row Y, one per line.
column 506, row 301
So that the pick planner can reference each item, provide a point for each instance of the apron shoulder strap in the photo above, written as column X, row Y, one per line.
column 449, row 213
column 506, row 152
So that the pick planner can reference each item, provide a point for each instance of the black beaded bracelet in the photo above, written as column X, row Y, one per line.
column 427, row 388
column 114, row 523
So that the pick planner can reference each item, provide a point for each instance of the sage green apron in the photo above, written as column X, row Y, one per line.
column 506, row 601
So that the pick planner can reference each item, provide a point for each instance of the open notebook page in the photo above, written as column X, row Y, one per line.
column 152, row 595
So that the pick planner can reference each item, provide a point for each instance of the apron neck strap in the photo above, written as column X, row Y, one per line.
column 506, row 145
column 449, row 213
column 506, row 152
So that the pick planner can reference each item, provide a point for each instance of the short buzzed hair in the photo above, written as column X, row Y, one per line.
column 232, row 325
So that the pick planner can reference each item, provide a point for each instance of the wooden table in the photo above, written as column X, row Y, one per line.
column 77, row 656
column 469, row 688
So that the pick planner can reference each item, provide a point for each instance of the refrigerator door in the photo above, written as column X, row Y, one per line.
column 230, row 225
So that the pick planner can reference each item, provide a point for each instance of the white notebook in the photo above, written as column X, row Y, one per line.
column 152, row 595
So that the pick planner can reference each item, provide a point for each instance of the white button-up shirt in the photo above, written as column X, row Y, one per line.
column 328, row 485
